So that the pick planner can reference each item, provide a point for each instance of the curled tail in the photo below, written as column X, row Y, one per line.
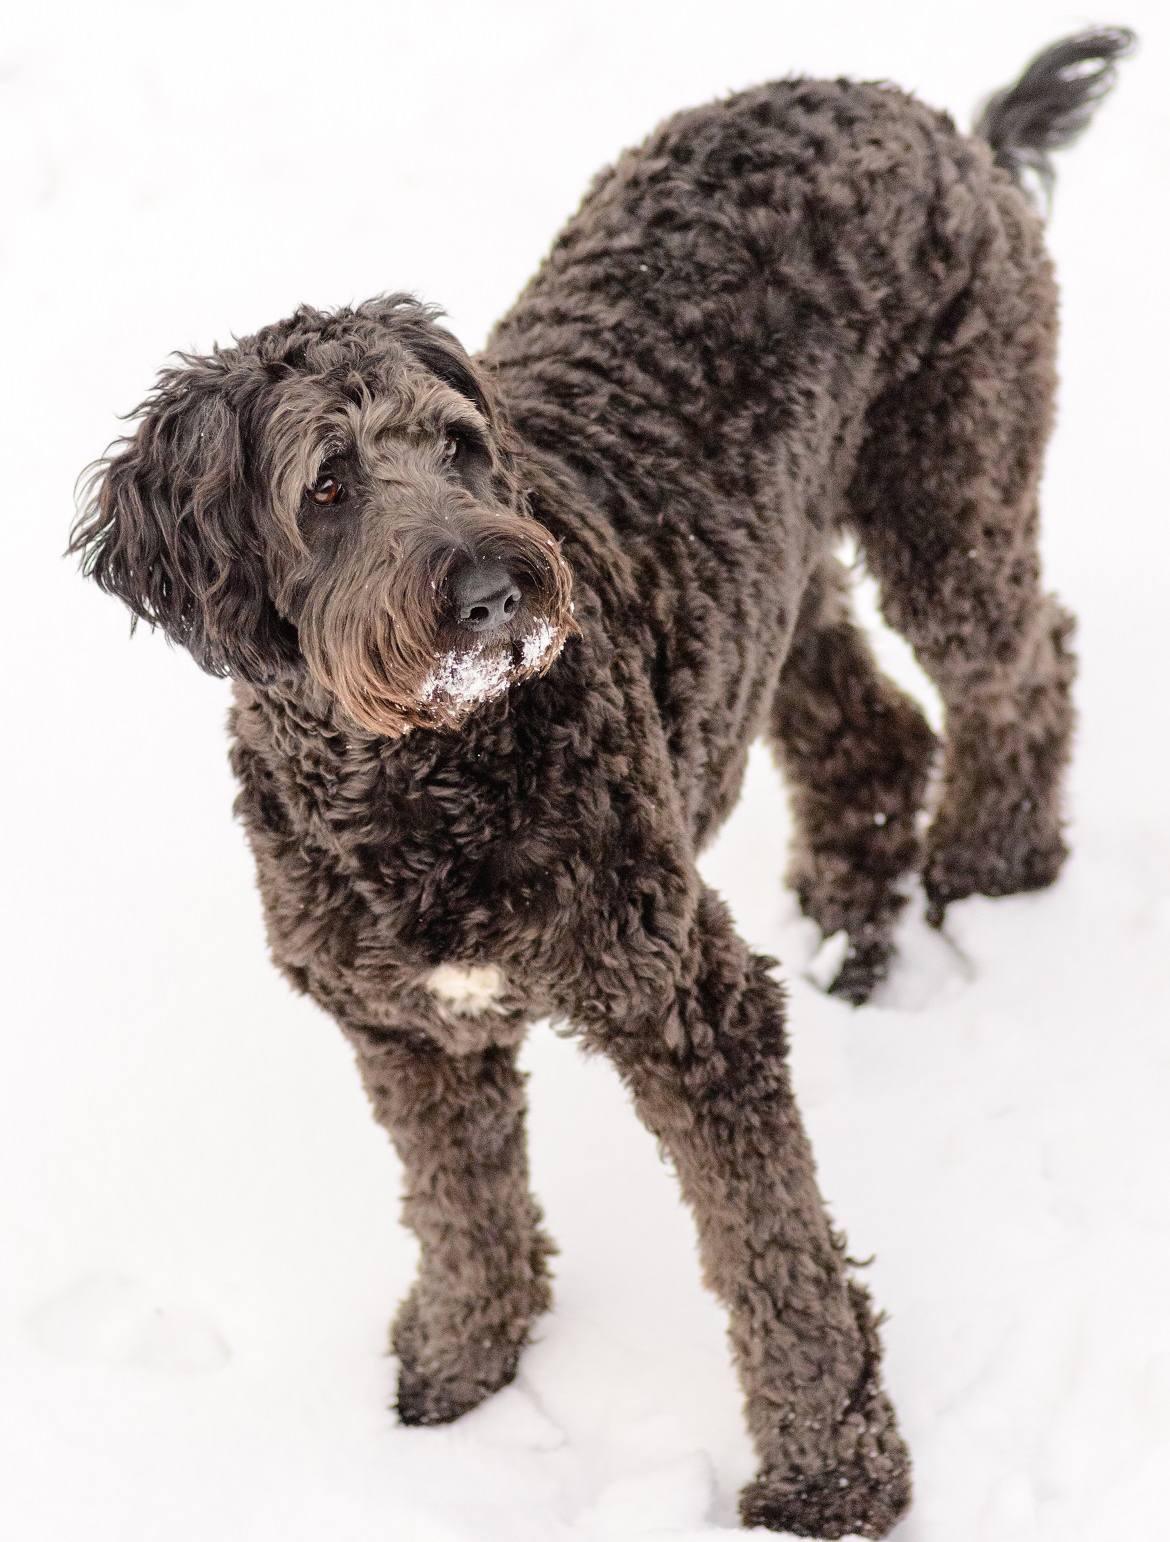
column 1052, row 101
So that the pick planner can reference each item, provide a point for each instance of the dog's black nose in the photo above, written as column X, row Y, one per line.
column 484, row 596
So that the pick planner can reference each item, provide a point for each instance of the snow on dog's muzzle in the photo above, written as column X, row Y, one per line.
column 465, row 677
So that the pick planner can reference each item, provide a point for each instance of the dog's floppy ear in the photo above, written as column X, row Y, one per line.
column 169, row 525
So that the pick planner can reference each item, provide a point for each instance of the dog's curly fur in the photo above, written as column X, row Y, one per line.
column 809, row 309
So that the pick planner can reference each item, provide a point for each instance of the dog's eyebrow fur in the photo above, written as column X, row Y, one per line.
column 416, row 412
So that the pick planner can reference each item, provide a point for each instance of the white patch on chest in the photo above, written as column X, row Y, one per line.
column 466, row 988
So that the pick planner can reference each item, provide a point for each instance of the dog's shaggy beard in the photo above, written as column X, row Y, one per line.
column 380, row 638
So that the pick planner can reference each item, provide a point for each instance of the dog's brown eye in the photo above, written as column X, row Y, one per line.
column 326, row 490
column 451, row 448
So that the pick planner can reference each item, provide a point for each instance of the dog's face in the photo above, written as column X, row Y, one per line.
column 337, row 494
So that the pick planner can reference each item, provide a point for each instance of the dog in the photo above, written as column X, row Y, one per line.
column 502, row 629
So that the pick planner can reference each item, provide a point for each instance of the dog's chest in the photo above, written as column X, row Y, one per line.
column 436, row 903
column 457, row 897
column 463, row 943
column 435, row 881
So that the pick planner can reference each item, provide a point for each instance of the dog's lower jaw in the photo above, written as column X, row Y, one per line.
column 463, row 679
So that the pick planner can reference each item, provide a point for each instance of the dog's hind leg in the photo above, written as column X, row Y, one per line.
column 944, row 503
column 457, row 1122
column 856, row 753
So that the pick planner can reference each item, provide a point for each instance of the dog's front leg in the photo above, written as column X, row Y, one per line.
column 703, row 1051
column 457, row 1122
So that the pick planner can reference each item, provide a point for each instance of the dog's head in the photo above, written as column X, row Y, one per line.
column 338, row 494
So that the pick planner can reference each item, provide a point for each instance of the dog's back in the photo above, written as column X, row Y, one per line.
column 703, row 342
column 708, row 340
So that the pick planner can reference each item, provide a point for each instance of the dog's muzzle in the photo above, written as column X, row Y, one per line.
column 464, row 677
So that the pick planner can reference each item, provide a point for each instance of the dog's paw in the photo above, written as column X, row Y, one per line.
column 851, row 963
column 449, row 1363
column 866, row 964
column 423, row 1399
column 856, row 913
column 840, row 1502
column 1011, row 859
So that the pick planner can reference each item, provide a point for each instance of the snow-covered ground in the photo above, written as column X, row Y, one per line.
column 197, row 1215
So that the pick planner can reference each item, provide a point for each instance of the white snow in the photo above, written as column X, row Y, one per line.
column 823, row 967
column 468, row 676
column 538, row 645
column 197, row 1214
column 117, row 1321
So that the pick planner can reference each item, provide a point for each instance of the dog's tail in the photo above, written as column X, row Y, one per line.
column 1052, row 102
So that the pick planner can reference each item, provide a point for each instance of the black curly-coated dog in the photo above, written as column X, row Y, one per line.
column 502, row 631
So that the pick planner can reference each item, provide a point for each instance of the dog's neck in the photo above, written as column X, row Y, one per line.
column 295, row 721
